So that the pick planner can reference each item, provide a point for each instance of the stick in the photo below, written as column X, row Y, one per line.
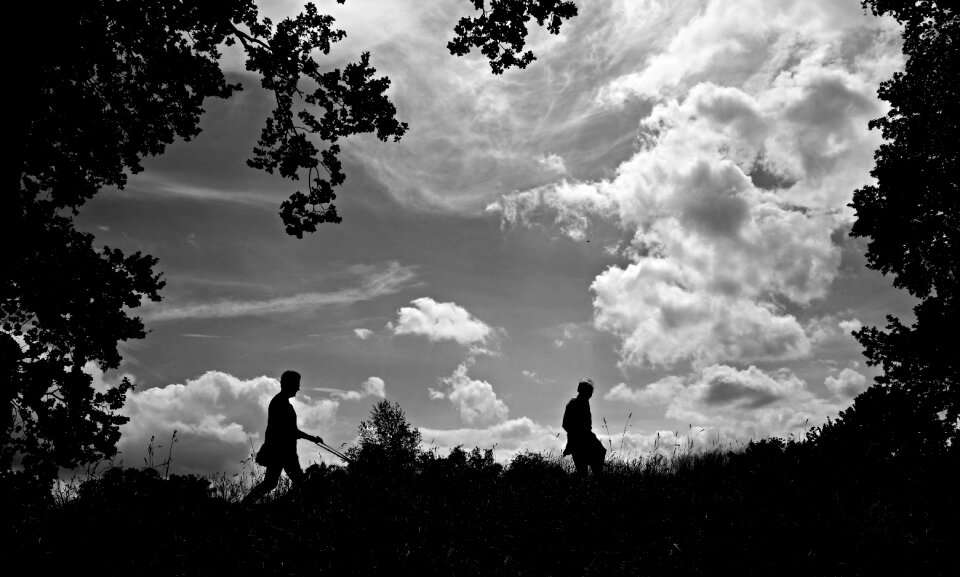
column 334, row 451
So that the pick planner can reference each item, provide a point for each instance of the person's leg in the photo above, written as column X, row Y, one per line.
column 598, row 454
column 270, row 480
column 597, row 467
column 292, row 466
column 581, row 466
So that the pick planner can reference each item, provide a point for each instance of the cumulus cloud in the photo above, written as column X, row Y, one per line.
column 663, row 321
column 441, row 322
column 740, row 402
column 100, row 382
column 363, row 334
column 740, row 42
column 372, row 387
column 521, row 435
column 506, row 438
column 850, row 326
column 847, row 384
column 474, row 399
column 218, row 418
column 757, row 137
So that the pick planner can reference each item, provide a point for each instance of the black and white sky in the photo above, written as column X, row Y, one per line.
column 659, row 203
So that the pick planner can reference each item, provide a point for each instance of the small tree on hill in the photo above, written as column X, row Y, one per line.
column 387, row 439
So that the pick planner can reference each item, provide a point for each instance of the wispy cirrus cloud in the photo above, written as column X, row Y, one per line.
column 376, row 282
column 153, row 184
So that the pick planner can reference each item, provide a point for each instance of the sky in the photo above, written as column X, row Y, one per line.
column 658, row 203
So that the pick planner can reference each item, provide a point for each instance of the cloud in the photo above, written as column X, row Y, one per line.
column 746, row 163
column 441, row 322
column 846, row 385
column 739, row 42
column 663, row 320
column 475, row 399
column 742, row 403
column 376, row 282
column 219, row 419
column 850, row 326
column 100, row 381
column 506, row 438
column 483, row 135
column 553, row 162
column 363, row 334
column 534, row 377
column 150, row 184
column 566, row 333
column 516, row 436
column 372, row 387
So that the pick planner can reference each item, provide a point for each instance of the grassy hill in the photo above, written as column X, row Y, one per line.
column 770, row 508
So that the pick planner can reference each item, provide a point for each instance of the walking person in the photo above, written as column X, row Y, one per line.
column 279, row 451
column 586, row 448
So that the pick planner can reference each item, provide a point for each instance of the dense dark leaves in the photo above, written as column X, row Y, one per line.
column 352, row 101
column 114, row 83
column 57, row 317
column 500, row 31
column 127, row 78
column 912, row 214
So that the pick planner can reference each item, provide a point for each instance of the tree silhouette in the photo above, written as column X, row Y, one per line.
column 387, row 439
column 912, row 214
column 99, row 86
column 500, row 32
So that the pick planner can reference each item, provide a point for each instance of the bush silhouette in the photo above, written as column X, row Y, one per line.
column 387, row 441
column 885, row 424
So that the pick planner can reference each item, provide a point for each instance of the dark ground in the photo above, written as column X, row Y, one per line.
column 770, row 509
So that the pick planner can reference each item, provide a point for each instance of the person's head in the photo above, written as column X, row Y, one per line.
column 290, row 382
column 585, row 388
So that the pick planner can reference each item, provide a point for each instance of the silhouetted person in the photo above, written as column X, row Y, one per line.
column 280, row 439
column 586, row 448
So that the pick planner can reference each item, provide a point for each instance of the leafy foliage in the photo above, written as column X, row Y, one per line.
column 885, row 425
column 56, row 318
column 353, row 102
column 500, row 32
column 912, row 214
column 387, row 439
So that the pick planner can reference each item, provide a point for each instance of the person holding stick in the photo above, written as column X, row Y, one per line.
column 279, row 450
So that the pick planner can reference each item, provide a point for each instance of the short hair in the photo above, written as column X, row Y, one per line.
column 289, row 378
column 585, row 385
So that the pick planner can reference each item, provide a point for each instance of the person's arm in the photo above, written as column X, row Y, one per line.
column 308, row 436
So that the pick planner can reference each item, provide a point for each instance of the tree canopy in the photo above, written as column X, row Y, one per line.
column 102, row 84
column 912, row 214
column 387, row 439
